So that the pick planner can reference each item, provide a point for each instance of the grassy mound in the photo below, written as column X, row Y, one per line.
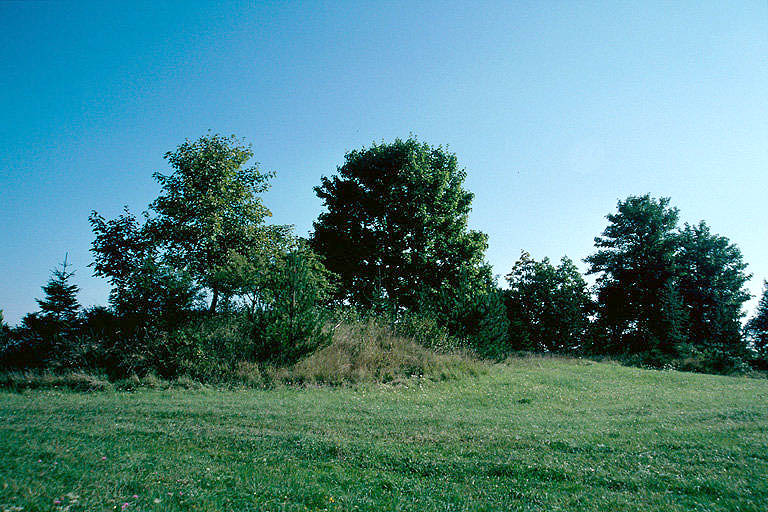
column 371, row 352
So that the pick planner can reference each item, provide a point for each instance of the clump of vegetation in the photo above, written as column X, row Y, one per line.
column 548, row 306
column 371, row 352
column 757, row 330
column 395, row 233
column 203, row 288
column 76, row 381
column 665, row 294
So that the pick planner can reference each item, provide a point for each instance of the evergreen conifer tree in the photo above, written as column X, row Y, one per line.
column 60, row 303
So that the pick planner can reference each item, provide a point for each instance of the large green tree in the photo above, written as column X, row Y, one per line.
column 209, row 208
column 635, row 264
column 394, row 229
column 710, row 280
column 548, row 306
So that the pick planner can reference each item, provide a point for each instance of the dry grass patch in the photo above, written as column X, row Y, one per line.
column 371, row 352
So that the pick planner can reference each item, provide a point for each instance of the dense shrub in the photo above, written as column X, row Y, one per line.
column 476, row 316
column 290, row 323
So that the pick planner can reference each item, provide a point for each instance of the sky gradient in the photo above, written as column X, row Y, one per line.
column 555, row 109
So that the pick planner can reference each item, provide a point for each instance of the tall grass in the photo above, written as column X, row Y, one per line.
column 371, row 351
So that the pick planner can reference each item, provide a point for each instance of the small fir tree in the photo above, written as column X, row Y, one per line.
column 60, row 303
column 290, row 321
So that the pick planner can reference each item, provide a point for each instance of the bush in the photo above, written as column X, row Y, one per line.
column 76, row 381
column 207, row 349
column 476, row 317
column 426, row 331
column 711, row 360
column 291, row 322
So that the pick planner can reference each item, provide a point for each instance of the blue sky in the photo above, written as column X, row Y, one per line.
column 555, row 109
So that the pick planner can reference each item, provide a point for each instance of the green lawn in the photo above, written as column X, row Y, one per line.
column 536, row 435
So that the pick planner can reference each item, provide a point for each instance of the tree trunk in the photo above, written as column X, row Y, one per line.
column 214, row 300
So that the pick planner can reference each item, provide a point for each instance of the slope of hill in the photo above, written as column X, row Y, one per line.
column 537, row 434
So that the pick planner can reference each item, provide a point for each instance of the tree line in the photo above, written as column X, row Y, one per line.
column 201, row 282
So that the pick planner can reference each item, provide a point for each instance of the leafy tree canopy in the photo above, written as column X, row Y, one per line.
column 548, row 306
column 395, row 226
column 210, row 207
column 209, row 211
column 710, row 279
column 666, row 290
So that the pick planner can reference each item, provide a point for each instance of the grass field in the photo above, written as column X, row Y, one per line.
column 538, row 434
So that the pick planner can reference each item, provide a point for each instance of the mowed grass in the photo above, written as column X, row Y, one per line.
column 536, row 434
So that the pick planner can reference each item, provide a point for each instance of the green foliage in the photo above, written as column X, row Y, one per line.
column 665, row 293
column 209, row 232
column 246, row 279
column 148, row 292
column 146, row 289
column 156, row 294
column 207, row 349
column 45, row 338
column 290, row 322
column 548, row 307
column 474, row 314
column 710, row 279
column 757, row 328
column 635, row 261
column 209, row 208
column 394, row 238
column 59, row 305
column 395, row 226
column 426, row 330
column 120, row 247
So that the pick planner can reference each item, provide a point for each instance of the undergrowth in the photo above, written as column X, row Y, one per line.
column 362, row 351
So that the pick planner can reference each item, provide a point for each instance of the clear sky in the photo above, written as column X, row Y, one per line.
column 555, row 109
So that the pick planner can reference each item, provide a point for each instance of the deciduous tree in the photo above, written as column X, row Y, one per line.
column 209, row 207
column 394, row 227
column 548, row 306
